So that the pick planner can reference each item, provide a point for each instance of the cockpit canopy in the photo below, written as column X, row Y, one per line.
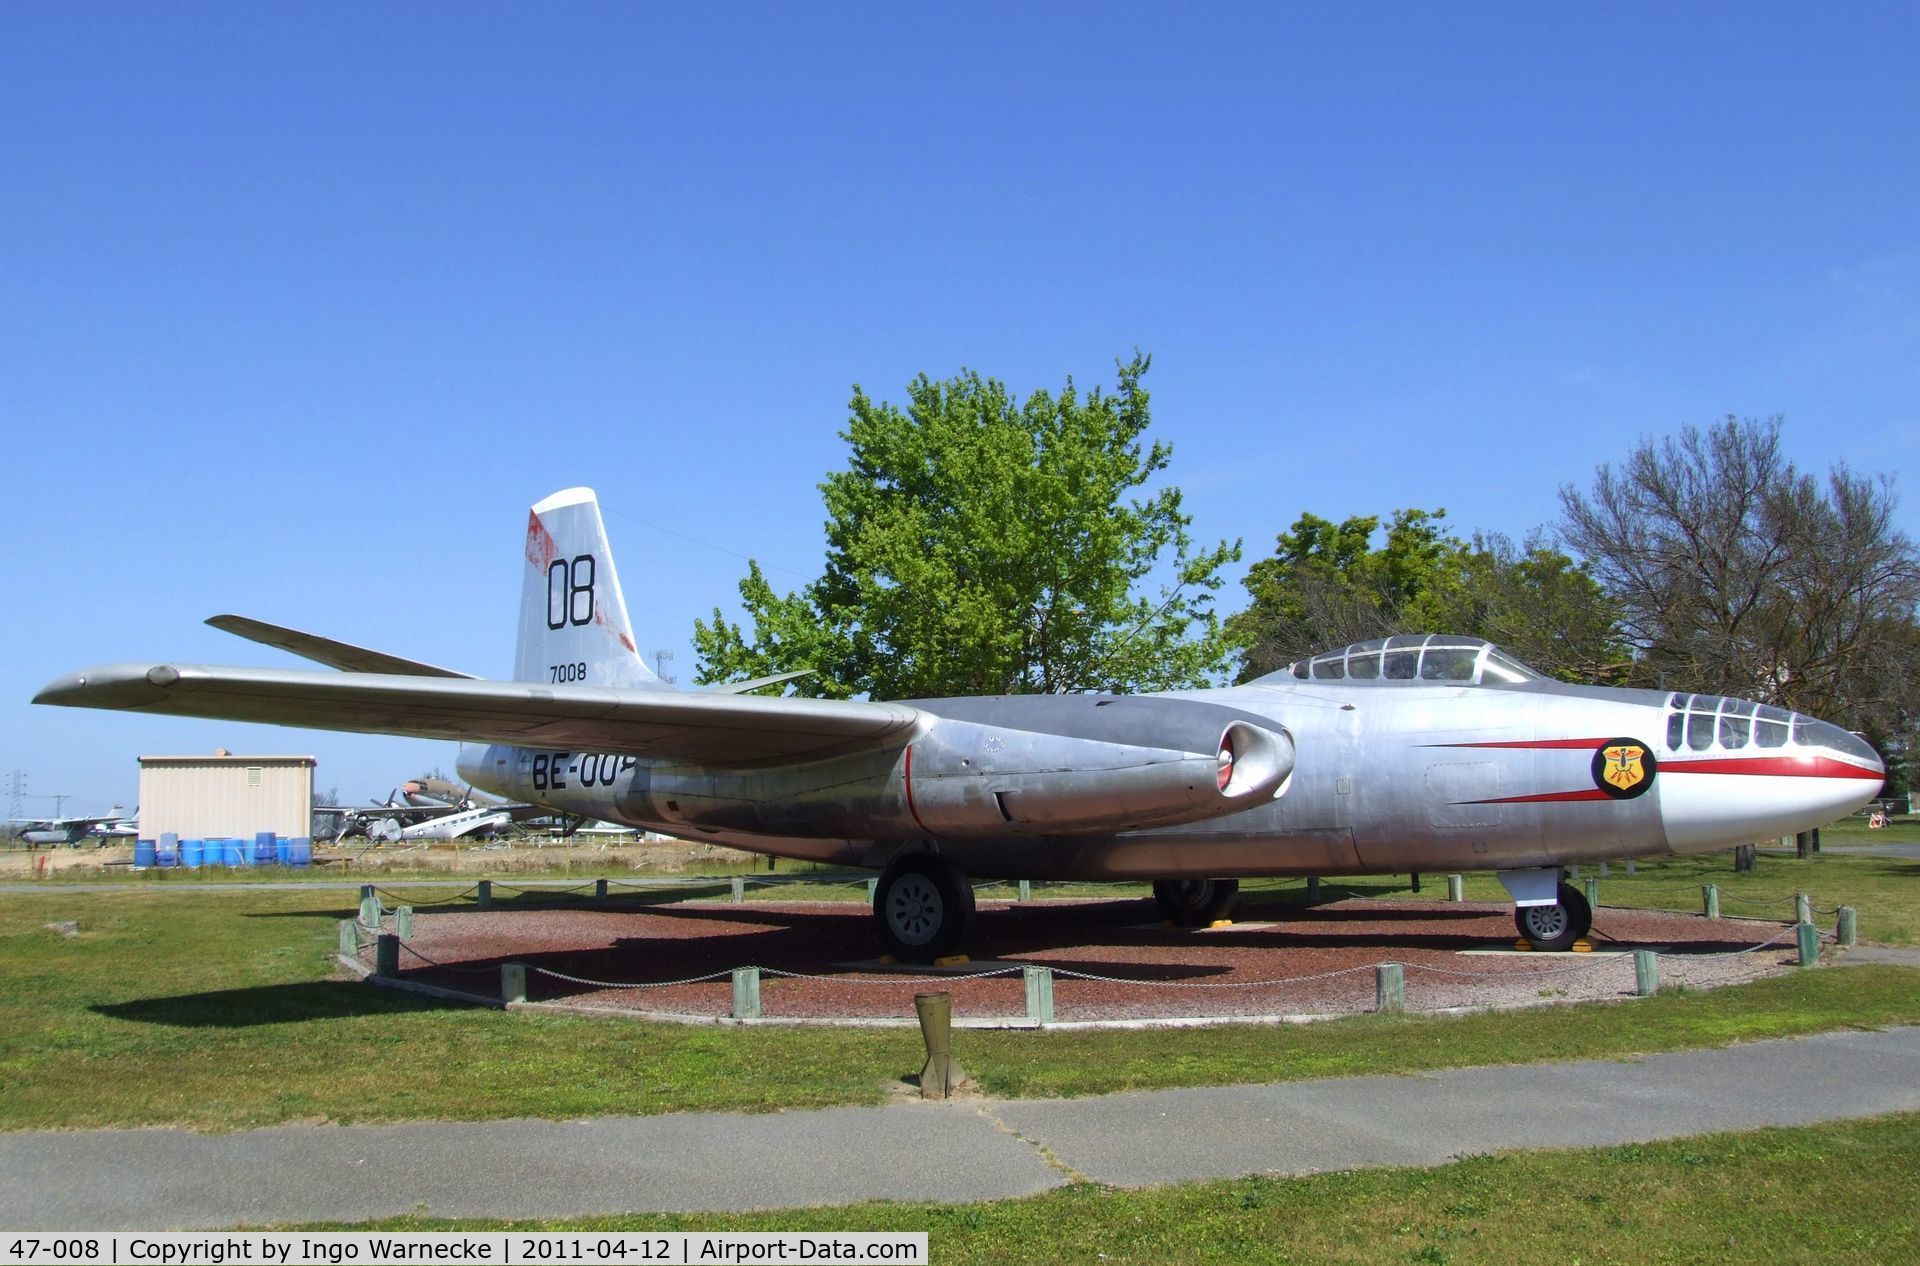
column 1413, row 657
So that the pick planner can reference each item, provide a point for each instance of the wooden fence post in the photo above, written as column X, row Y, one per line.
column 1390, row 987
column 1646, row 973
column 1039, row 992
column 513, row 982
column 746, row 993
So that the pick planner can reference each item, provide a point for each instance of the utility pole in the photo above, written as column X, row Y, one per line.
column 660, row 659
column 16, row 790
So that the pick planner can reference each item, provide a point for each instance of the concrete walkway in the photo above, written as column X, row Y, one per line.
column 958, row 1151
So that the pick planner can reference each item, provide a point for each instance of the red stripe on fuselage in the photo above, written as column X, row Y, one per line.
column 1590, row 793
column 1586, row 744
column 906, row 780
column 1770, row 766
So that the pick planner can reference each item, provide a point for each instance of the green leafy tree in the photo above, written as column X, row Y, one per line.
column 1329, row 584
column 981, row 545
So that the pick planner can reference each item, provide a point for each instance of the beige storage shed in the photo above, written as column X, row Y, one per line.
column 225, row 796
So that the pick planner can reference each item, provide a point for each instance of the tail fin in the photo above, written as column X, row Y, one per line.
column 573, row 617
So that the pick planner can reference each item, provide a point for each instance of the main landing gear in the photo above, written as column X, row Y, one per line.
column 1556, row 927
column 1195, row 903
column 923, row 904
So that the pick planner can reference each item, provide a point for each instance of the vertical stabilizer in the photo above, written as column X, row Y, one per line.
column 573, row 617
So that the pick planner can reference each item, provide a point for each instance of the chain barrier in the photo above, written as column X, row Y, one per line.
column 644, row 984
column 1601, row 960
column 402, row 899
column 1776, row 939
column 431, row 962
column 1070, row 974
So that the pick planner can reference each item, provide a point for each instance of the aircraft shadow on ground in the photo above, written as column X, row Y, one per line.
column 270, row 1004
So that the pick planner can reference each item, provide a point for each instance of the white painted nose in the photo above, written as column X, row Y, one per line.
column 1735, row 772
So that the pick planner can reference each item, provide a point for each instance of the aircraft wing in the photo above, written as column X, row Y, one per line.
column 670, row 724
column 324, row 650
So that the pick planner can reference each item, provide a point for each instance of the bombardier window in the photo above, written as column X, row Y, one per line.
column 1699, row 722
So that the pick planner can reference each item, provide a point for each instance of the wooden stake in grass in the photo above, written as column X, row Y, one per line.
column 1456, row 888
column 513, row 982
column 1809, row 939
column 403, row 922
column 1846, row 928
column 1710, row 895
column 941, row 1073
column 386, row 955
column 483, row 897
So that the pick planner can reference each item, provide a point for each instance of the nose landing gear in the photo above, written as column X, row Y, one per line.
column 1552, row 928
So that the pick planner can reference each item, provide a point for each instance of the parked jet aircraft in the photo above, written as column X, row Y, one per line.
column 1425, row 752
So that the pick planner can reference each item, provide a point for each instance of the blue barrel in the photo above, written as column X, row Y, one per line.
column 300, row 851
column 238, row 853
column 170, row 839
column 166, row 855
column 280, row 850
column 143, row 852
column 191, row 853
column 263, row 848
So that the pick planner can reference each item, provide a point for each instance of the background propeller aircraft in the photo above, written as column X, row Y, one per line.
column 1424, row 752
column 109, row 825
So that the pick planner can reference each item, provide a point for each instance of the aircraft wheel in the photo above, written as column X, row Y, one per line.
column 922, row 905
column 1556, row 927
column 1194, row 903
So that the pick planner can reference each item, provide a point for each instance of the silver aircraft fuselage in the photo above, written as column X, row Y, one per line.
column 1350, row 777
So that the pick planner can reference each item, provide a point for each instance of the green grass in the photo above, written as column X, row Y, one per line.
column 1832, row 1193
column 217, row 1010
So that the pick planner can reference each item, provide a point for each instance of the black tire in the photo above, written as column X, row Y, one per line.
column 1195, row 903
column 922, row 906
column 1555, row 928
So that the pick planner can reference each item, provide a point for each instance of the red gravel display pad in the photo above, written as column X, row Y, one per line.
column 816, row 958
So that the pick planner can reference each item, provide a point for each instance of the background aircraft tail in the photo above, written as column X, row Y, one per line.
column 573, row 617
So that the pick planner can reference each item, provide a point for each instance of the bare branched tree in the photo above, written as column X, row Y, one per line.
column 1737, row 573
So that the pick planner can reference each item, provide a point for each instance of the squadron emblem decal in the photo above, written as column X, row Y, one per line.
column 1624, row 768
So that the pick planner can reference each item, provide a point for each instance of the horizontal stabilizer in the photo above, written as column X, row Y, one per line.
column 675, row 725
column 748, row 687
column 324, row 650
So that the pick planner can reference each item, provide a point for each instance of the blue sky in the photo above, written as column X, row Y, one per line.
column 301, row 305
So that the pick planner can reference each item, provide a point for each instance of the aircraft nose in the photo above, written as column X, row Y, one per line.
column 1760, row 773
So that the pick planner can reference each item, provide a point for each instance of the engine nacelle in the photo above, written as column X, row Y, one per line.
column 959, row 784
column 974, row 778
